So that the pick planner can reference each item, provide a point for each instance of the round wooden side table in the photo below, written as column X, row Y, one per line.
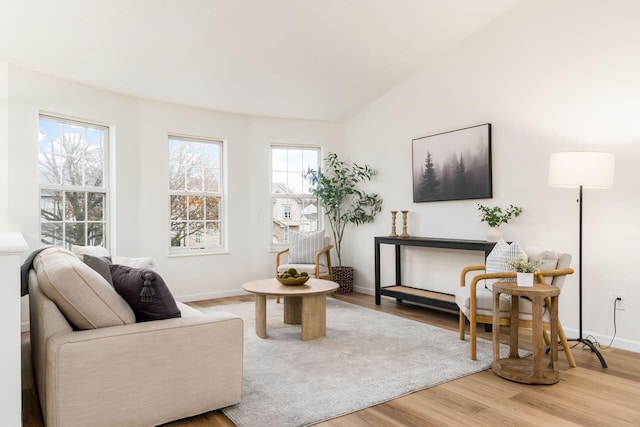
column 526, row 370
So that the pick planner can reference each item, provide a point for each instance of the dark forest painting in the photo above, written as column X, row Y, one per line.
column 453, row 165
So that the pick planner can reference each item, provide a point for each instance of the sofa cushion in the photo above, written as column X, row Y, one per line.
column 80, row 251
column 86, row 299
column 304, row 246
column 147, row 262
column 145, row 291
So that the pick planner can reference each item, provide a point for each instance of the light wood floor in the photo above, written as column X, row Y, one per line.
column 586, row 396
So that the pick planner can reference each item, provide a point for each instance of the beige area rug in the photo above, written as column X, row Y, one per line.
column 368, row 357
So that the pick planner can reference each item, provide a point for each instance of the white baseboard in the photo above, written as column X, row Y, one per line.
column 604, row 340
column 210, row 295
column 363, row 290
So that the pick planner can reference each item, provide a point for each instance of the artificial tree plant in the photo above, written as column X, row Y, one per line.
column 336, row 187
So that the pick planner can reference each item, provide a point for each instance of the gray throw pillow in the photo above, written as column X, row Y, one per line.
column 145, row 291
column 101, row 265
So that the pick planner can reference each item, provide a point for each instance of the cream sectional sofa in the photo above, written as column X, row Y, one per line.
column 117, row 372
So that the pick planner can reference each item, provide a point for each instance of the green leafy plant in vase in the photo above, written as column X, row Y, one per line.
column 495, row 216
column 337, row 187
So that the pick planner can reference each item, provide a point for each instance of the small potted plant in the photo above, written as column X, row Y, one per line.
column 495, row 216
column 524, row 270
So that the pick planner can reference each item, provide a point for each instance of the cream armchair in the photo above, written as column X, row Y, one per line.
column 308, row 252
column 475, row 300
column 316, row 263
column 320, row 269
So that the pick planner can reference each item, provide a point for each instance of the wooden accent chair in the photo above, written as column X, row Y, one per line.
column 319, row 269
column 476, row 301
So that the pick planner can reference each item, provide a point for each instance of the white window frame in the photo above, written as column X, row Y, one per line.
column 201, row 247
column 104, row 189
column 292, row 196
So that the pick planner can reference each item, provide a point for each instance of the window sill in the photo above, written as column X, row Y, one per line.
column 197, row 253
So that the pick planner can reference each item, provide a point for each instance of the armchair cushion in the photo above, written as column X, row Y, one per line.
column 310, row 269
column 304, row 246
column 497, row 260
column 548, row 258
column 484, row 301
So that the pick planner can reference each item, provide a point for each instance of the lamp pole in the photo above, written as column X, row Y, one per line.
column 582, row 169
column 580, row 338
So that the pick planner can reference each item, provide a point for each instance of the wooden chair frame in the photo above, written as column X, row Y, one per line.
column 326, row 251
column 475, row 318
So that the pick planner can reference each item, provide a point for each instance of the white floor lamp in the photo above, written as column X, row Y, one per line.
column 582, row 169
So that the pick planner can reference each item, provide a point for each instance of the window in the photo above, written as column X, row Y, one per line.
column 293, row 207
column 195, row 194
column 74, row 190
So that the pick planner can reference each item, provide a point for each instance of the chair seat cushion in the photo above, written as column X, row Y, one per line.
column 310, row 269
column 484, row 298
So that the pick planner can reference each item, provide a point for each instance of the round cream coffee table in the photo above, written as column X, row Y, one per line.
column 304, row 305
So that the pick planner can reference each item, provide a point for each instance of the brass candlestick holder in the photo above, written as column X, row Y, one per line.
column 404, row 224
column 393, row 224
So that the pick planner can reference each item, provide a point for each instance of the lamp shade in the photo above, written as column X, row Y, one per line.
column 581, row 168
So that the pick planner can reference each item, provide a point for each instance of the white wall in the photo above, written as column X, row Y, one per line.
column 140, row 176
column 550, row 76
column 12, row 245
column 263, row 133
column 4, row 145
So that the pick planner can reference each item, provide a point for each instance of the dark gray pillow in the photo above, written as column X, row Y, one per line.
column 100, row 264
column 145, row 291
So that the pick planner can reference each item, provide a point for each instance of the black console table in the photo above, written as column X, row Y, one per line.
column 401, row 291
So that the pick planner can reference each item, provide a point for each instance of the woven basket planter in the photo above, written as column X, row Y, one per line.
column 343, row 276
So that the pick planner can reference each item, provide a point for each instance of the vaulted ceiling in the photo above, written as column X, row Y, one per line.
column 310, row 59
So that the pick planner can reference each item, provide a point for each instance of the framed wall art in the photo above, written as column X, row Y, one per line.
column 453, row 165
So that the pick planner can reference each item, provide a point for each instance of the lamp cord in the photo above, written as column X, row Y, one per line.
column 595, row 341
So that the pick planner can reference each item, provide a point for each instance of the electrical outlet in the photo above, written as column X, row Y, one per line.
column 619, row 299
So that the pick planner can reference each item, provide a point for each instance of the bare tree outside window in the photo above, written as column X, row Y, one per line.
column 195, row 193
column 73, row 189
